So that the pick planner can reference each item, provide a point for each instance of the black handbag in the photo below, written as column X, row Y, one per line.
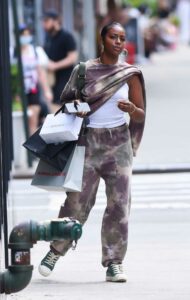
column 55, row 154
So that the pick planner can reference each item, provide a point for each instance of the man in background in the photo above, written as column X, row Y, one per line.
column 60, row 47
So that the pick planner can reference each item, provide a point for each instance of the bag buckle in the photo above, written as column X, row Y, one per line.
column 81, row 76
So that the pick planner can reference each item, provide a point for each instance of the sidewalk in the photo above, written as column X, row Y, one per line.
column 165, row 142
column 157, row 263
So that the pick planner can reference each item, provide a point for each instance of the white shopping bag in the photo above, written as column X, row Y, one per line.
column 79, row 107
column 60, row 128
column 69, row 180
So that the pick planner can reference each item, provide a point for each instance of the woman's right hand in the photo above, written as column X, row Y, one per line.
column 81, row 114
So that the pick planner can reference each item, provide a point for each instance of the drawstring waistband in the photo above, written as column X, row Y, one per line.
column 103, row 130
column 110, row 132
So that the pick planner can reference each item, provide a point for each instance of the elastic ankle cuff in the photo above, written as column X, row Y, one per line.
column 54, row 251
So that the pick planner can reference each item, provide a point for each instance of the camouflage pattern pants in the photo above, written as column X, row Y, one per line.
column 108, row 156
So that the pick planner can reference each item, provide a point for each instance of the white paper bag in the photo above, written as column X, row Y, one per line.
column 60, row 128
column 69, row 180
column 80, row 107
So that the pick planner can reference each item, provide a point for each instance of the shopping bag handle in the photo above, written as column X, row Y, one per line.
column 61, row 109
column 76, row 105
column 80, row 85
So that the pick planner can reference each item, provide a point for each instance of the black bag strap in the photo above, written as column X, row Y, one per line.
column 81, row 77
column 80, row 84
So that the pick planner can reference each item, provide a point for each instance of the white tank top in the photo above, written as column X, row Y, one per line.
column 109, row 115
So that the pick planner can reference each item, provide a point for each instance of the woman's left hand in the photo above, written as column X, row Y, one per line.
column 80, row 114
column 126, row 106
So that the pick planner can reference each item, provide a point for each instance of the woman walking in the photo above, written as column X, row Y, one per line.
column 34, row 75
column 112, row 88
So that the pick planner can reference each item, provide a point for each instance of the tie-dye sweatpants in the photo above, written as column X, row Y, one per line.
column 108, row 156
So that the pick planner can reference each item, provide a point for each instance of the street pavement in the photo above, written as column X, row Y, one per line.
column 150, row 191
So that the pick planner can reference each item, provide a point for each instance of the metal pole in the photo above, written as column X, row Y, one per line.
column 38, row 26
column 89, row 30
column 23, row 96
column 68, row 18
column 3, row 204
column 6, row 154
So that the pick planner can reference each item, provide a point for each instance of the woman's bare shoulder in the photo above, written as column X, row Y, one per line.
column 133, row 80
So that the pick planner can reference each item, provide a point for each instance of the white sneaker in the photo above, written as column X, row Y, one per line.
column 48, row 263
column 115, row 273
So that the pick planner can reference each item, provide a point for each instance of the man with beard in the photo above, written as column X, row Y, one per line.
column 60, row 47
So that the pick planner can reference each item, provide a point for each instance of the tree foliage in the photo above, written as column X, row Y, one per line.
column 136, row 3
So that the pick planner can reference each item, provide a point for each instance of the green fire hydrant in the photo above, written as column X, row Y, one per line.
column 21, row 240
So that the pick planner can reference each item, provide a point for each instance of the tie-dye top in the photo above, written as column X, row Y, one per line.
column 101, row 82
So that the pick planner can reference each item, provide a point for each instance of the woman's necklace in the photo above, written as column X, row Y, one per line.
column 101, row 62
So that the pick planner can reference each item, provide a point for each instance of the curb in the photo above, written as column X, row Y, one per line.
column 137, row 170
column 162, row 168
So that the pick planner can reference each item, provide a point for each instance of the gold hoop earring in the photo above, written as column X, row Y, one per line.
column 125, row 52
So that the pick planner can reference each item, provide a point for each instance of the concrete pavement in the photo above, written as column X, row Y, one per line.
column 158, row 259
column 166, row 138
column 157, row 263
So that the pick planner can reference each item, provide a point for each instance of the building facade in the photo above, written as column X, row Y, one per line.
column 78, row 17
